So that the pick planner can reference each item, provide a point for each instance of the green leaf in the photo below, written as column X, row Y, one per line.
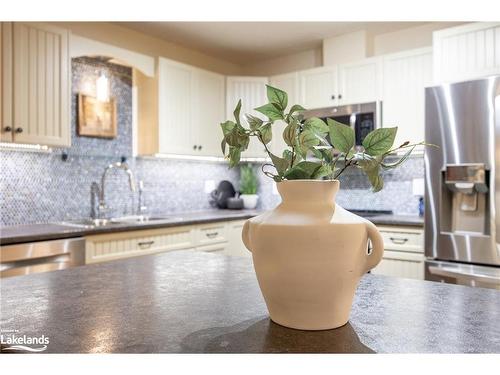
column 223, row 146
column 248, row 180
column 266, row 133
column 371, row 167
column 296, row 108
column 316, row 125
column 237, row 112
column 306, row 140
column 287, row 154
column 234, row 156
column 400, row 161
column 253, row 121
column 227, row 127
column 271, row 110
column 236, row 138
column 303, row 170
column 281, row 164
column 379, row 141
column 341, row 136
column 277, row 96
column 322, row 171
column 289, row 133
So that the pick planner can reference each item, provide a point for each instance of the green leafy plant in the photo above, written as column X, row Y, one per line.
column 248, row 180
column 329, row 146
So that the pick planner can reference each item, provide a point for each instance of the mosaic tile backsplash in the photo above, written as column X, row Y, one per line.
column 41, row 187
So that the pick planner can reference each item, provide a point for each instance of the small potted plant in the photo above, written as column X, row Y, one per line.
column 308, row 252
column 248, row 186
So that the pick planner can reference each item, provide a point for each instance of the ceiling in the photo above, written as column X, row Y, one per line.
column 249, row 42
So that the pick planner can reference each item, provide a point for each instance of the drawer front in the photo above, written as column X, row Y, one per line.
column 211, row 234
column 218, row 248
column 127, row 244
column 404, row 239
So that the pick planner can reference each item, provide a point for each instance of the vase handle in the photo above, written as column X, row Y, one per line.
column 245, row 235
column 377, row 246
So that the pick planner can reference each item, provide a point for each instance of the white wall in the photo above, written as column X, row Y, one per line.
column 346, row 48
column 414, row 37
column 285, row 64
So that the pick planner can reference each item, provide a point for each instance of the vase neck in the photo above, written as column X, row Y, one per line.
column 309, row 191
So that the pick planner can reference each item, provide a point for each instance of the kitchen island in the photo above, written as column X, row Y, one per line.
column 190, row 302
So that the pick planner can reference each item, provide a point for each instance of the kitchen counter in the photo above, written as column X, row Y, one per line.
column 40, row 232
column 191, row 302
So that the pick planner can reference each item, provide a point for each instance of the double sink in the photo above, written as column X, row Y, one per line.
column 123, row 220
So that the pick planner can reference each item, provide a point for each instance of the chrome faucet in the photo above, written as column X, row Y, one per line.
column 96, row 190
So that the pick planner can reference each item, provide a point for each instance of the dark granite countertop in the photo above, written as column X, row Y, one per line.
column 193, row 302
column 40, row 232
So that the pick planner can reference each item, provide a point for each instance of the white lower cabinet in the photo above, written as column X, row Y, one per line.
column 105, row 247
column 403, row 254
column 219, row 237
column 235, row 244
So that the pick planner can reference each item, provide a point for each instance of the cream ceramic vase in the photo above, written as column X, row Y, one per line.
column 309, row 255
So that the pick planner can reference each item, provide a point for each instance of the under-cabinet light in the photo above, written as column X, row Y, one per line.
column 24, row 147
column 218, row 159
column 102, row 88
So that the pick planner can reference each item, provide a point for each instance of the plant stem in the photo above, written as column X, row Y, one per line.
column 347, row 163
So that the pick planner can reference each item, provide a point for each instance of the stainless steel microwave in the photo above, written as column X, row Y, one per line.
column 363, row 117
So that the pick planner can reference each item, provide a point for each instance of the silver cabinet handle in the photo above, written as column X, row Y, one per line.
column 212, row 234
column 145, row 244
column 398, row 241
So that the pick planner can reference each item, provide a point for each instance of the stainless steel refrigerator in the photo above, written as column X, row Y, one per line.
column 462, row 183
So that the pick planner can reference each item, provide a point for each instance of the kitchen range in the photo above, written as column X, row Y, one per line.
column 136, row 202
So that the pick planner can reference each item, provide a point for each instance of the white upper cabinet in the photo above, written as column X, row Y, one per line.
column 190, row 109
column 466, row 52
column 405, row 77
column 175, row 108
column 252, row 92
column 290, row 84
column 360, row 82
column 208, row 112
column 35, row 84
column 318, row 87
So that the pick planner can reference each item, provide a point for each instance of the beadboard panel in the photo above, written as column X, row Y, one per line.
column 399, row 264
column 104, row 247
column 252, row 92
column 41, row 82
column 466, row 52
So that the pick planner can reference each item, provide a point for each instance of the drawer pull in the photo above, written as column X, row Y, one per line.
column 398, row 241
column 145, row 244
column 212, row 234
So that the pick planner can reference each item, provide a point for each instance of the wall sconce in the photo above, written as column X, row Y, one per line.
column 102, row 88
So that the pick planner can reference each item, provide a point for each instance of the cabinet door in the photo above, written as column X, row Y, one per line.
column 209, row 112
column 235, row 244
column 466, row 52
column 405, row 76
column 41, row 106
column 6, row 81
column 176, row 108
column 252, row 92
column 360, row 82
column 318, row 87
column 290, row 84
column 401, row 264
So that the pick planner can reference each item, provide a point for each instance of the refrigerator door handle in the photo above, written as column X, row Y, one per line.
column 462, row 274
